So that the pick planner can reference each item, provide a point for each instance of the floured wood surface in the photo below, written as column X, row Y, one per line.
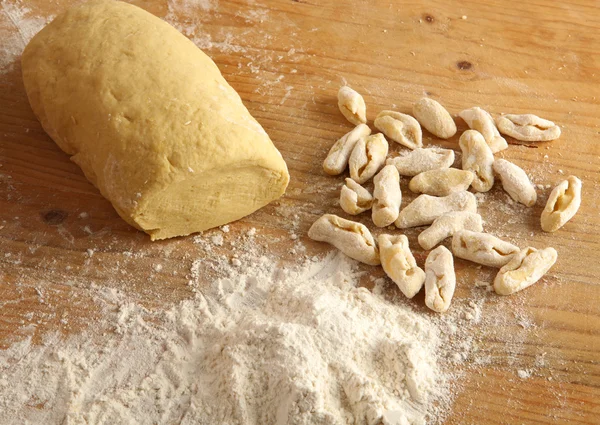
column 537, row 353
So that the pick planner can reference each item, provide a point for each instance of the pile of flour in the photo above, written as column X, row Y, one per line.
column 264, row 344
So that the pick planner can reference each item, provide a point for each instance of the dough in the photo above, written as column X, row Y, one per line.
column 150, row 120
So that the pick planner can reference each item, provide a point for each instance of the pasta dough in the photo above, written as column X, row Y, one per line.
column 150, row 120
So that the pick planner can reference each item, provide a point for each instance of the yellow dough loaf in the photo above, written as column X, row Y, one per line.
column 150, row 120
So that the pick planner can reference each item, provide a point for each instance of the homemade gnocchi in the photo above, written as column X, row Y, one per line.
column 446, row 225
column 355, row 199
column 480, row 120
column 368, row 157
column 423, row 159
column 425, row 208
column 352, row 105
column 562, row 205
column 482, row 248
column 399, row 264
column 515, row 182
column 440, row 279
column 444, row 203
column 527, row 128
column 387, row 196
column 441, row 182
column 478, row 158
column 353, row 239
column 526, row 267
column 401, row 128
column 435, row 118
column 339, row 154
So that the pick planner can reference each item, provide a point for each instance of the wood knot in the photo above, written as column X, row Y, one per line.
column 54, row 217
column 464, row 65
column 428, row 18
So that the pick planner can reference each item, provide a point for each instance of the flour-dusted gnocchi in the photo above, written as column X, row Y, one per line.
column 368, row 157
column 401, row 128
column 353, row 239
column 337, row 159
column 482, row 248
column 525, row 268
column 435, row 118
column 399, row 264
column 441, row 182
column 515, row 182
column 562, row 205
column 423, row 159
column 527, row 128
column 352, row 105
column 387, row 196
column 440, row 279
column 446, row 225
column 425, row 208
column 354, row 198
column 478, row 158
column 480, row 120
column 444, row 203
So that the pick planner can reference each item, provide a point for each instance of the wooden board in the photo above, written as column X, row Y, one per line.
column 287, row 59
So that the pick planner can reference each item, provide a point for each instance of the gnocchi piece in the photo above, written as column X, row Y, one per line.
column 354, row 198
column 401, row 128
column 400, row 265
column 352, row 105
column 339, row 154
column 425, row 208
column 435, row 118
column 562, row 205
column 423, row 159
column 368, row 157
column 480, row 120
column 478, row 158
column 527, row 128
column 440, row 279
column 515, row 182
column 388, row 196
column 353, row 239
column 446, row 225
column 482, row 248
column 441, row 182
column 525, row 268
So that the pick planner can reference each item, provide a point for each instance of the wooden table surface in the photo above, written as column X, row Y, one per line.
column 287, row 59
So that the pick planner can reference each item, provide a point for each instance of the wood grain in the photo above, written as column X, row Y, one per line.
column 287, row 59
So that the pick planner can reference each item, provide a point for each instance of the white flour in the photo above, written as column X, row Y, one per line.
column 18, row 25
column 265, row 345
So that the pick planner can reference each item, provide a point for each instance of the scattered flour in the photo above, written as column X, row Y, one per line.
column 217, row 240
column 191, row 6
column 524, row 373
column 262, row 345
column 250, row 45
column 18, row 25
